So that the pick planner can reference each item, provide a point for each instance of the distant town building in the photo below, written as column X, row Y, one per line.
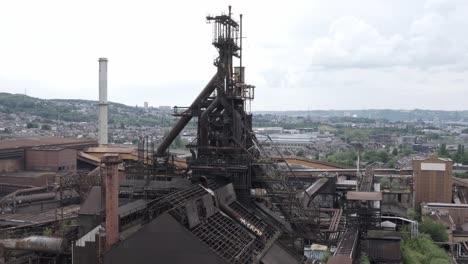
column 268, row 130
column 146, row 105
column 165, row 107
column 432, row 180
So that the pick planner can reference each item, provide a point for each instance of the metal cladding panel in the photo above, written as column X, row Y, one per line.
column 433, row 166
column 192, row 214
column 364, row 196
column 51, row 159
column 384, row 250
column 163, row 240
column 432, row 183
column 11, row 165
column 226, row 194
column 313, row 190
column 94, row 204
column 206, row 205
column 277, row 255
column 209, row 205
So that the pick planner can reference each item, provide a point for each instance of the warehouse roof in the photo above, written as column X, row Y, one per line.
column 43, row 141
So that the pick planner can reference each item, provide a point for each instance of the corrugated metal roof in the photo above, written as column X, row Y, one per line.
column 175, row 244
column 131, row 207
column 37, row 142
column 94, row 203
column 364, row 196
column 88, row 156
column 119, row 150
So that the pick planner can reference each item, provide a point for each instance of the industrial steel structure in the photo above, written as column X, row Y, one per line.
column 231, row 201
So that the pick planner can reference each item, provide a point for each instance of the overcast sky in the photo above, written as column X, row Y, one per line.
column 301, row 55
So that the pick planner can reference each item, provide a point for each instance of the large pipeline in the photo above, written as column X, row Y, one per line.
column 183, row 121
column 23, row 191
column 44, row 244
column 13, row 196
column 35, row 197
column 233, row 214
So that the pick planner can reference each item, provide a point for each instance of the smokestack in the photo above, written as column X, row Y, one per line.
column 111, row 162
column 103, row 101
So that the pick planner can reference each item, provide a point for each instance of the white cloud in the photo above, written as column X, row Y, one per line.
column 303, row 54
column 432, row 39
column 352, row 42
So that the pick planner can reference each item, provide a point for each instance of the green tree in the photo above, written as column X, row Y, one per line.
column 384, row 182
column 300, row 153
column 436, row 230
column 365, row 259
column 32, row 125
column 412, row 214
column 325, row 257
column 46, row 127
column 376, row 155
column 179, row 142
column 443, row 150
column 422, row 250
column 347, row 158
column 395, row 151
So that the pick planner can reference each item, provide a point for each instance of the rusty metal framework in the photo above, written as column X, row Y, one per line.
column 227, row 151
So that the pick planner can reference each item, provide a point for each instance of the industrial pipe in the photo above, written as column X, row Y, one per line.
column 233, row 214
column 35, row 197
column 13, row 195
column 44, row 244
column 183, row 121
column 33, row 189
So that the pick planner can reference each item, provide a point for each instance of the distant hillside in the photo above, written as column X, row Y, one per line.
column 69, row 110
column 81, row 110
column 387, row 114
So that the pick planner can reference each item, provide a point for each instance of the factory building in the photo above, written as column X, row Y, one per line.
column 51, row 159
column 35, row 161
column 432, row 180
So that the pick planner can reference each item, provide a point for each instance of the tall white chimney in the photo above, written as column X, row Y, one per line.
column 103, row 101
